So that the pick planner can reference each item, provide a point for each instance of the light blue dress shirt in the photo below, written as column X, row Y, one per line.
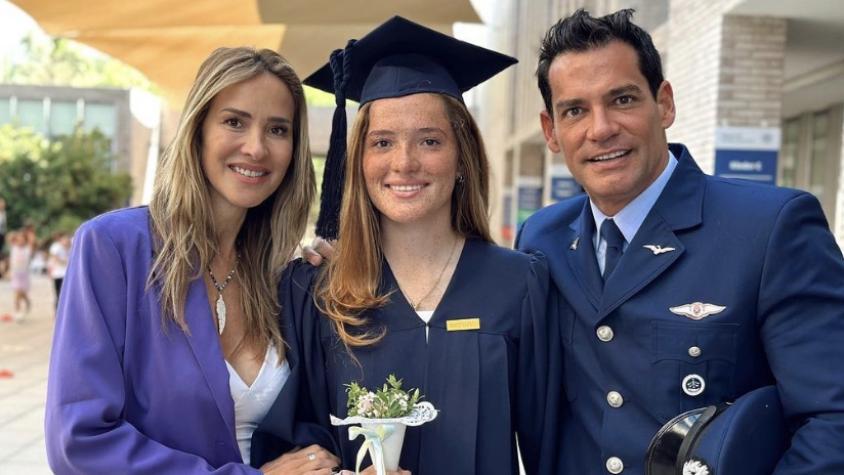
column 631, row 217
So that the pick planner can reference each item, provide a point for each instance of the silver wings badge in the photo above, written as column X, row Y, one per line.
column 574, row 243
column 657, row 249
column 697, row 310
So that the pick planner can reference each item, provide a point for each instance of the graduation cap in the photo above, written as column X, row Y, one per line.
column 398, row 58
column 746, row 437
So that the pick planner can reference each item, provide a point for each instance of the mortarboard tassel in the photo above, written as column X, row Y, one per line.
column 333, row 176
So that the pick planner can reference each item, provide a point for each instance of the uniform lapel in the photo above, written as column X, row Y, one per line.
column 639, row 265
column 568, row 248
column 679, row 207
column 581, row 256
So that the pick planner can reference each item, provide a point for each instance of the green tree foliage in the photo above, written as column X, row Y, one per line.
column 20, row 141
column 64, row 62
column 57, row 185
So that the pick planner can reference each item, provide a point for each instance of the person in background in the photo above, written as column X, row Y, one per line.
column 20, row 255
column 3, row 229
column 57, row 261
column 167, row 349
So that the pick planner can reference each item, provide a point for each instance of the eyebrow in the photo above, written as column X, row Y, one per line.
column 626, row 89
column 428, row 130
column 380, row 132
column 569, row 103
column 247, row 115
column 424, row 130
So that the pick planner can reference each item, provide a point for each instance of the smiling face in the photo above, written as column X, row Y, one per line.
column 247, row 142
column 607, row 123
column 410, row 159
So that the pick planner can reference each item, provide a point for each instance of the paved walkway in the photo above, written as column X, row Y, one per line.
column 24, row 351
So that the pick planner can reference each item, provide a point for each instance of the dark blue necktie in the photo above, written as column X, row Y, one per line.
column 615, row 246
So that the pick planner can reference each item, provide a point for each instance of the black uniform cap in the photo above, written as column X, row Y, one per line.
column 396, row 59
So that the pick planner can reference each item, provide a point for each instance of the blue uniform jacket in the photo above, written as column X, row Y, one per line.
column 488, row 383
column 123, row 395
column 763, row 253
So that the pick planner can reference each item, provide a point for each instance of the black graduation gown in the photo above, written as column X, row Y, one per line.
column 488, row 384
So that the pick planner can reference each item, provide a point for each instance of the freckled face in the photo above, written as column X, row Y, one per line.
column 247, row 141
column 410, row 158
column 607, row 123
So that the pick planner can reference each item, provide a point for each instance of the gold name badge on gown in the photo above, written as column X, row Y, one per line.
column 463, row 324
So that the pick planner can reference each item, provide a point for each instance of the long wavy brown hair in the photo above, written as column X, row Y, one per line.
column 180, row 208
column 348, row 284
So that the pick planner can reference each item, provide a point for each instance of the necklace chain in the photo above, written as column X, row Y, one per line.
column 415, row 305
column 221, row 304
column 220, row 287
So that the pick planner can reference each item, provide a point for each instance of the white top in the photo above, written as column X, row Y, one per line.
column 58, row 260
column 19, row 258
column 425, row 315
column 251, row 403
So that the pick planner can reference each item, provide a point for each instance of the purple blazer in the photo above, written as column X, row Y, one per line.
column 124, row 394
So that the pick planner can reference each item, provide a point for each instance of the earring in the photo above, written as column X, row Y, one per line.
column 460, row 179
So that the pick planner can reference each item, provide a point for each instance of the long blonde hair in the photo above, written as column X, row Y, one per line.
column 180, row 208
column 348, row 285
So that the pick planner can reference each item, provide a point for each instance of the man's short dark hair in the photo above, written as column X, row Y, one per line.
column 581, row 32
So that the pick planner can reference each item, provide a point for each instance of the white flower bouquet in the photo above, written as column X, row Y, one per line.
column 383, row 416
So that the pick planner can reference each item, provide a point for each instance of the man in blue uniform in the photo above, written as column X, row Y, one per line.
column 676, row 290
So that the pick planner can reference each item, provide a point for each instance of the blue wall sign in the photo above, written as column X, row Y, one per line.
column 528, row 197
column 748, row 153
column 563, row 187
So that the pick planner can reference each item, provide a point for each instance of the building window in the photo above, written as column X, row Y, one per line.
column 788, row 153
column 810, row 155
column 5, row 110
column 31, row 114
column 819, row 159
column 63, row 118
column 102, row 117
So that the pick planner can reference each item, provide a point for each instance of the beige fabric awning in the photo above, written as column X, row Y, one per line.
column 167, row 40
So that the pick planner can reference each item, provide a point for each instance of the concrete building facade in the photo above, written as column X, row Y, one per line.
column 758, row 85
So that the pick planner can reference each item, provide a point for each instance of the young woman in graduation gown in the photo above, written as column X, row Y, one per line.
column 416, row 287
column 167, row 350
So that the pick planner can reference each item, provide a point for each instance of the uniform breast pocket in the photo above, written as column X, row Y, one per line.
column 693, row 365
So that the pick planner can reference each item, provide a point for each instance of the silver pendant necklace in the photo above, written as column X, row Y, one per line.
column 221, row 304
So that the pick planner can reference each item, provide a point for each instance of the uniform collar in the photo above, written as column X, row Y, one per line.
column 631, row 217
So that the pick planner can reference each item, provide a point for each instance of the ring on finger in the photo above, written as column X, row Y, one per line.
column 311, row 456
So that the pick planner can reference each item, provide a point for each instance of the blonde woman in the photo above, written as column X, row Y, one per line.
column 416, row 287
column 167, row 350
